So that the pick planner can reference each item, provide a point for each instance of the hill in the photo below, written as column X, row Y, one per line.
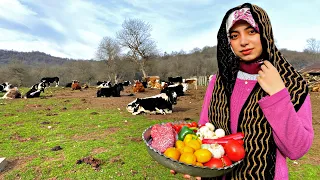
column 30, row 58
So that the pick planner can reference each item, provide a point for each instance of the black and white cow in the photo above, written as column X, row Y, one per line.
column 158, row 104
column 4, row 87
column 35, row 90
column 110, row 91
column 49, row 80
column 178, row 88
column 126, row 83
column 177, row 79
column 104, row 84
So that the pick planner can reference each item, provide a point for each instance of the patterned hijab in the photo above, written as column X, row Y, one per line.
column 259, row 162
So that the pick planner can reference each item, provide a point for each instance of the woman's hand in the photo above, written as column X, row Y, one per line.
column 269, row 79
column 186, row 176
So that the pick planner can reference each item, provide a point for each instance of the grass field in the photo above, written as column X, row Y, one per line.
column 29, row 128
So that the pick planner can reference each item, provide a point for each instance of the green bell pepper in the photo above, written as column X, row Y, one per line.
column 184, row 131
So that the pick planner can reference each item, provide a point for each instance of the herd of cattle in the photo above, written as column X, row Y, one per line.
column 159, row 104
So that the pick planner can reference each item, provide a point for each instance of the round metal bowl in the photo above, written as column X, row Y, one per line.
column 182, row 167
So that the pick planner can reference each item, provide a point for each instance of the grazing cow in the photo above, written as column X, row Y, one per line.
column 49, row 80
column 12, row 93
column 35, row 90
column 110, row 91
column 177, row 79
column 4, row 87
column 138, row 87
column 193, row 81
column 178, row 88
column 75, row 85
column 158, row 104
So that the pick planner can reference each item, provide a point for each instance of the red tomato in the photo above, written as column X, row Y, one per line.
column 240, row 141
column 234, row 150
column 214, row 162
column 177, row 128
column 194, row 124
column 226, row 161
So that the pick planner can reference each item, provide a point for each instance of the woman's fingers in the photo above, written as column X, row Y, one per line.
column 187, row 176
column 267, row 64
column 172, row 172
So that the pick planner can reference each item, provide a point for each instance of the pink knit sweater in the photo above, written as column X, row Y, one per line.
column 292, row 131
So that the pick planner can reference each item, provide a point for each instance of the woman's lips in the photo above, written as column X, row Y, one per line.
column 246, row 51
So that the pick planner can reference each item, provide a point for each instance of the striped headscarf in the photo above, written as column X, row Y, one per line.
column 259, row 162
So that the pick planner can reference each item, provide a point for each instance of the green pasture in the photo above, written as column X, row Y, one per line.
column 29, row 128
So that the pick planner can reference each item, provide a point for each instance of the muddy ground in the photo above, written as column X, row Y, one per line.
column 188, row 106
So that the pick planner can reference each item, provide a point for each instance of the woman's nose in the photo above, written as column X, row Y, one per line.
column 243, row 40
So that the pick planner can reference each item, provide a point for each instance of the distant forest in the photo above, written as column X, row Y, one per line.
column 27, row 68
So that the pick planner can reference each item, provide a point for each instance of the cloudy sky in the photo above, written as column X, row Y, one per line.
column 74, row 28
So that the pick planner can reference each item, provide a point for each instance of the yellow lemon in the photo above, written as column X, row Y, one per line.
column 172, row 153
column 203, row 155
column 188, row 158
column 186, row 149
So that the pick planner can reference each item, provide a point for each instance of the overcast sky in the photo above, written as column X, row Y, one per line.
column 74, row 28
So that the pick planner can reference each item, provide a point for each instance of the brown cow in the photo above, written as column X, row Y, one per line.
column 193, row 81
column 152, row 81
column 12, row 94
column 75, row 85
column 138, row 87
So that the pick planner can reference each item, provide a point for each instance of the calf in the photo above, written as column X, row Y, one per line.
column 12, row 93
column 159, row 104
column 35, row 90
column 49, row 80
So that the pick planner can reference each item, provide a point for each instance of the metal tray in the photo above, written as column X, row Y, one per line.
column 182, row 167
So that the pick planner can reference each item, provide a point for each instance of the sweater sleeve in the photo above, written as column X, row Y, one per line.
column 206, row 102
column 292, row 131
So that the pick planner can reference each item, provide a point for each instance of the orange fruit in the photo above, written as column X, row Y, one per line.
column 172, row 153
column 186, row 149
column 188, row 158
column 203, row 155
column 199, row 164
column 194, row 144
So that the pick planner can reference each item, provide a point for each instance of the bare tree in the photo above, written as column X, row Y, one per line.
column 136, row 36
column 313, row 46
column 109, row 51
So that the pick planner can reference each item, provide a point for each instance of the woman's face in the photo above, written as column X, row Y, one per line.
column 245, row 41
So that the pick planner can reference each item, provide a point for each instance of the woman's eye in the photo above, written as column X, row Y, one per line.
column 233, row 36
column 252, row 31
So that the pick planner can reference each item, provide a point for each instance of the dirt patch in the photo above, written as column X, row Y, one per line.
column 17, row 163
column 16, row 136
column 95, row 135
column 188, row 106
column 99, row 150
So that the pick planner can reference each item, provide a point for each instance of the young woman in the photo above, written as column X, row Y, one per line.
column 257, row 92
